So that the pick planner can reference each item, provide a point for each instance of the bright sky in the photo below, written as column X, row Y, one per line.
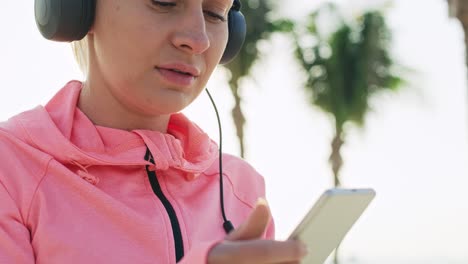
column 413, row 149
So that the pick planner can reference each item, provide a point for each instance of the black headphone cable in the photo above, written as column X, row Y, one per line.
column 227, row 225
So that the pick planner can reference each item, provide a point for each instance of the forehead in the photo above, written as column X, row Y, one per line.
column 224, row 2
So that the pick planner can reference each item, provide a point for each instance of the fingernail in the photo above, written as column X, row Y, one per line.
column 262, row 200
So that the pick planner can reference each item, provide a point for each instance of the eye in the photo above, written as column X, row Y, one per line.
column 215, row 16
column 162, row 4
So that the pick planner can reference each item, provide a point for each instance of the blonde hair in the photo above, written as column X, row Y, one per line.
column 81, row 52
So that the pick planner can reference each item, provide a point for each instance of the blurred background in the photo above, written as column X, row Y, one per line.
column 410, row 142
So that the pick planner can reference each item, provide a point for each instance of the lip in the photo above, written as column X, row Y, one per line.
column 178, row 74
column 181, row 67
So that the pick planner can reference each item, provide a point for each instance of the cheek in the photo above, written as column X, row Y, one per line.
column 218, row 44
column 224, row 40
column 124, row 60
column 119, row 38
column 218, row 40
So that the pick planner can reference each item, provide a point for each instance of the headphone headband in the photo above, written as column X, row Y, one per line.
column 70, row 20
column 237, row 5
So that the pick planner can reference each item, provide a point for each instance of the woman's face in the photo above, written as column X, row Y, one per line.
column 155, row 57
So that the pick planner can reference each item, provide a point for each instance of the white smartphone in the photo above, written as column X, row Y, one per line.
column 328, row 221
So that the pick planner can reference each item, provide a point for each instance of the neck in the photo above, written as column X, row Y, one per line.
column 103, row 109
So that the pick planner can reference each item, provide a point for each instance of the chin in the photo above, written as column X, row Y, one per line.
column 169, row 107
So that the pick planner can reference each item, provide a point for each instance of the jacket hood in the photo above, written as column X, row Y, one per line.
column 64, row 132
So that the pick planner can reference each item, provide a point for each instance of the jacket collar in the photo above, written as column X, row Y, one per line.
column 63, row 131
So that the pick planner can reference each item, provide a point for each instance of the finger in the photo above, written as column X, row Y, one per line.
column 255, row 225
column 258, row 252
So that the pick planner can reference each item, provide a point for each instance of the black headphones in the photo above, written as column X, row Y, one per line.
column 70, row 20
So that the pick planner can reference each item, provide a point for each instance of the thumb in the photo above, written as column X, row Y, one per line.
column 255, row 225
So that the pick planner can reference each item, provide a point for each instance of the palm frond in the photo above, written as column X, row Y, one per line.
column 348, row 67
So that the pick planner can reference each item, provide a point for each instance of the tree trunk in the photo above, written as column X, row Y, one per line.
column 336, row 162
column 462, row 15
column 335, row 157
column 238, row 117
column 459, row 9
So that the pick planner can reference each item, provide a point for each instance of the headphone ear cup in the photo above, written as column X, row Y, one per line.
column 237, row 31
column 64, row 20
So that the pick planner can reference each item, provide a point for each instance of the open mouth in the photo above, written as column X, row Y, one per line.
column 180, row 68
column 176, row 76
column 181, row 72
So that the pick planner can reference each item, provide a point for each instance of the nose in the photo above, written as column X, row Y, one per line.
column 191, row 36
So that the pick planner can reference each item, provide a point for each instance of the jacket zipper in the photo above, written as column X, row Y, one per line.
column 176, row 232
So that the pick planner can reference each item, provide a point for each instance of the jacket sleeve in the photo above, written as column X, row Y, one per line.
column 198, row 254
column 15, row 245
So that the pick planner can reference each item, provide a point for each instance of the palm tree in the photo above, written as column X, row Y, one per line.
column 258, row 28
column 459, row 9
column 345, row 69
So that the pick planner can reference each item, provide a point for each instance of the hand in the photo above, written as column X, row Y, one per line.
column 245, row 246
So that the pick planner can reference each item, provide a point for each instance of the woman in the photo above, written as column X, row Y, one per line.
column 109, row 171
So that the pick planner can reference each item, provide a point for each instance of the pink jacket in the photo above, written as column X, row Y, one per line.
column 74, row 192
